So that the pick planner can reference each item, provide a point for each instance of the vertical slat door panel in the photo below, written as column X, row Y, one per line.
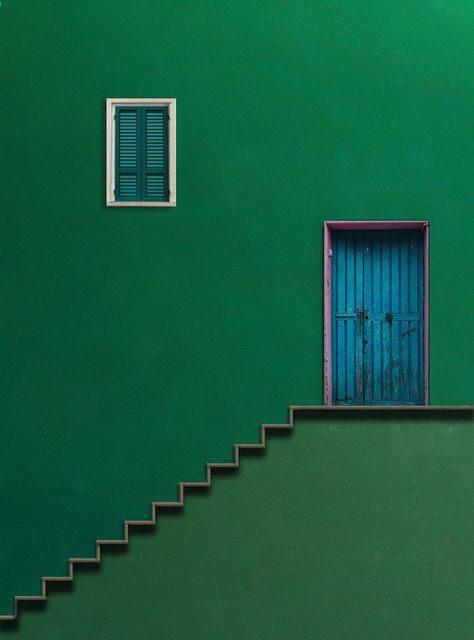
column 404, row 275
column 346, row 325
column 393, row 325
column 386, row 328
column 359, row 297
column 377, row 298
column 368, row 329
column 394, row 364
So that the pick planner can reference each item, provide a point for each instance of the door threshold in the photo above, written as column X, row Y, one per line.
column 381, row 407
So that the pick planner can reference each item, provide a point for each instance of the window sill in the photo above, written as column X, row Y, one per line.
column 114, row 203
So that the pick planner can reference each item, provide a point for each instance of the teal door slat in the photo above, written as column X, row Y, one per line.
column 378, row 324
column 346, row 326
column 359, row 325
column 141, row 155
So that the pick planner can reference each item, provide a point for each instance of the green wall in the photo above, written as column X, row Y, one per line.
column 357, row 528
column 137, row 345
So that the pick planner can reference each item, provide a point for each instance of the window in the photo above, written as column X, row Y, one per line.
column 141, row 152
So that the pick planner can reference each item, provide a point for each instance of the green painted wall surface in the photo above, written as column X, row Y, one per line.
column 360, row 528
column 137, row 345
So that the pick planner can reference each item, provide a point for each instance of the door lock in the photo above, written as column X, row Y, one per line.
column 389, row 317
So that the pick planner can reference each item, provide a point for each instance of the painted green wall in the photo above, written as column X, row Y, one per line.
column 356, row 528
column 136, row 345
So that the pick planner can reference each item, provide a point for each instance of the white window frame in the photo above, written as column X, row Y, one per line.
column 111, row 105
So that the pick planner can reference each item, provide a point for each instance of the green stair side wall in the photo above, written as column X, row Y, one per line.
column 138, row 345
column 360, row 528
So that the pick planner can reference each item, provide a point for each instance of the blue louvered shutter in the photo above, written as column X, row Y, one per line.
column 142, row 165
column 127, row 154
column 155, row 182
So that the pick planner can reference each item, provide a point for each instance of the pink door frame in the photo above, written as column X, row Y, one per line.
column 333, row 225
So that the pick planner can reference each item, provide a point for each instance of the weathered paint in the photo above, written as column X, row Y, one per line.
column 327, row 317
column 378, row 317
column 361, row 225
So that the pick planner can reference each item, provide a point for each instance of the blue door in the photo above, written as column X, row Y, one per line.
column 377, row 317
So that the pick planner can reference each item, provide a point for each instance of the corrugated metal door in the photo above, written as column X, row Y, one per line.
column 377, row 324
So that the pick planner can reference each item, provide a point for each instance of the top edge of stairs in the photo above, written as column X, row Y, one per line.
column 404, row 407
